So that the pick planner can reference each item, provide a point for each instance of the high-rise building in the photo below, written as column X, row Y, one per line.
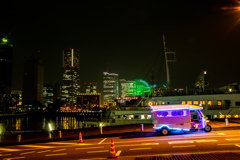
column 48, row 94
column 51, row 92
column 126, row 88
column 70, row 82
column 134, row 88
column 33, row 82
column 6, row 54
column 110, row 87
column 91, row 87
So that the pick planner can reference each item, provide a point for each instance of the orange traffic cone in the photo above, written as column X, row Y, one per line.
column 112, row 151
column 80, row 138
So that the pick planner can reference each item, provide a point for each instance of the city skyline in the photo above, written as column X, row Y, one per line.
column 126, row 38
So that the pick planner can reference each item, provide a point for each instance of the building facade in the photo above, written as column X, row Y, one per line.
column 51, row 92
column 134, row 88
column 70, row 81
column 126, row 88
column 110, row 87
column 33, row 82
column 6, row 55
column 48, row 95
column 89, row 100
column 91, row 87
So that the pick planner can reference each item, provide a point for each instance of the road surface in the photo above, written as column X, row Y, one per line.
column 216, row 144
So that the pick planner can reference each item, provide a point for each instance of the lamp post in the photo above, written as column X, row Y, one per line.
column 50, row 130
column 100, row 127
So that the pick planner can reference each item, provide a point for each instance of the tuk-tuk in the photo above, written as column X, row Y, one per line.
column 167, row 118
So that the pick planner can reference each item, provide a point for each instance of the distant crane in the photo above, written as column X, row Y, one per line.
column 169, row 57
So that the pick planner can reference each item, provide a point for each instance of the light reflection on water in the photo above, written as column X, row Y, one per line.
column 41, row 123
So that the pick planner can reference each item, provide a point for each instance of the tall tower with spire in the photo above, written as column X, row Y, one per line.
column 70, row 81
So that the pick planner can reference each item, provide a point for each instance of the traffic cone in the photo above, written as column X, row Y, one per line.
column 112, row 151
column 80, row 138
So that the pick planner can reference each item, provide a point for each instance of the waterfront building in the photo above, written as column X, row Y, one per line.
column 33, row 83
column 6, row 55
column 231, row 88
column 70, row 81
column 51, row 92
column 110, row 87
column 134, row 88
column 126, row 88
column 48, row 94
column 201, row 84
column 17, row 97
column 89, row 100
column 14, row 100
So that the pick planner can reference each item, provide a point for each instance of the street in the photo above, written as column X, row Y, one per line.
column 129, row 147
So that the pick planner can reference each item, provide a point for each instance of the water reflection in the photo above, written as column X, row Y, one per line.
column 42, row 123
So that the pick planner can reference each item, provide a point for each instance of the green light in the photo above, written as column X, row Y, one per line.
column 4, row 40
column 139, row 87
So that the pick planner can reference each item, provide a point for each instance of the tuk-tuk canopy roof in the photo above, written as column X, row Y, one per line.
column 175, row 107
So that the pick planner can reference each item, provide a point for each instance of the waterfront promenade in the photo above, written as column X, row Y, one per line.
column 133, row 130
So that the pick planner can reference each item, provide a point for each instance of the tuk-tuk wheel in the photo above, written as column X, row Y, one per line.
column 164, row 131
column 208, row 128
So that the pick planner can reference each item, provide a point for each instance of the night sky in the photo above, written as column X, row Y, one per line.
column 125, row 37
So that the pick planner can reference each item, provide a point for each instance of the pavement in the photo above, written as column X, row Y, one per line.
column 18, row 138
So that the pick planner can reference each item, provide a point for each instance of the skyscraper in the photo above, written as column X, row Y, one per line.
column 91, row 87
column 110, row 87
column 51, row 92
column 70, row 82
column 6, row 54
column 33, row 82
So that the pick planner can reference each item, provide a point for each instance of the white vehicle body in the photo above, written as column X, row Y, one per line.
column 178, row 117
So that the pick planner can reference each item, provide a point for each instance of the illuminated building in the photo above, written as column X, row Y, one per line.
column 201, row 83
column 89, row 99
column 17, row 97
column 110, row 87
column 48, row 94
column 33, row 82
column 6, row 55
column 70, row 82
column 126, row 89
column 231, row 88
column 137, row 87
column 51, row 92
column 91, row 87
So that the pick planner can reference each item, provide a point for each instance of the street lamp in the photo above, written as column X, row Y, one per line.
column 100, row 127
column 50, row 130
